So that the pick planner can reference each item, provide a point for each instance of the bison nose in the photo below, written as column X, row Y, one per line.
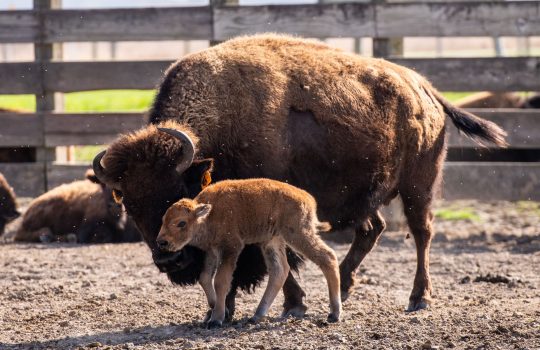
column 162, row 244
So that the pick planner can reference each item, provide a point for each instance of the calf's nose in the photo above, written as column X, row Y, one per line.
column 162, row 243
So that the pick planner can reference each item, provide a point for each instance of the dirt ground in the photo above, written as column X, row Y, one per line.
column 485, row 270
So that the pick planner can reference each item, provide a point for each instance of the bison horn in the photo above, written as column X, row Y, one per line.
column 188, row 148
column 99, row 170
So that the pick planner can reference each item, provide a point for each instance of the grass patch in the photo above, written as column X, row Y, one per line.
column 89, row 101
column 529, row 207
column 453, row 214
column 86, row 153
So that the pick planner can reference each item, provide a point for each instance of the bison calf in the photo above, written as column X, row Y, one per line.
column 82, row 211
column 8, row 205
column 226, row 216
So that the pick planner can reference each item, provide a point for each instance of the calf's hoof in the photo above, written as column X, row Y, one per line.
column 345, row 294
column 213, row 324
column 297, row 311
column 419, row 304
column 332, row 318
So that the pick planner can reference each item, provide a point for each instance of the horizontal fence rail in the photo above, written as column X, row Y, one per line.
column 446, row 74
column 61, row 129
column 478, row 18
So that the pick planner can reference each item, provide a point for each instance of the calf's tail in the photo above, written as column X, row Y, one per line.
column 323, row 226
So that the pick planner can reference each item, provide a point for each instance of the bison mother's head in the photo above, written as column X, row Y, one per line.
column 148, row 171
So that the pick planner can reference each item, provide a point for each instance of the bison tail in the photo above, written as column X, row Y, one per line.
column 478, row 129
column 323, row 226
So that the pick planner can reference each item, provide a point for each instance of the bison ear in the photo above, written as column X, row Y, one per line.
column 202, row 210
column 90, row 175
column 197, row 176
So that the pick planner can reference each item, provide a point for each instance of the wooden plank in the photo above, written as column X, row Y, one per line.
column 89, row 129
column 492, row 181
column 459, row 18
column 478, row 74
column 19, row 78
column 479, row 18
column 447, row 74
column 175, row 23
column 18, row 26
column 20, row 129
column 27, row 179
column 522, row 126
column 58, row 174
column 80, row 76
column 316, row 21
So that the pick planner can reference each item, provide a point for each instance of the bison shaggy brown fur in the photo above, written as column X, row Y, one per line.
column 83, row 211
column 353, row 131
column 8, row 204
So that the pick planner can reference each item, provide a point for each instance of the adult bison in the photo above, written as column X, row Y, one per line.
column 8, row 204
column 353, row 131
column 82, row 211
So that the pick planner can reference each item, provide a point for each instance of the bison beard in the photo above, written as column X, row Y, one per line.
column 249, row 273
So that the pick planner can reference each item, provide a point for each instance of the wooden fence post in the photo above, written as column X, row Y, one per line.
column 45, row 101
column 220, row 3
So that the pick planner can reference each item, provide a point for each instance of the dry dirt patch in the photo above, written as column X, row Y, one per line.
column 112, row 296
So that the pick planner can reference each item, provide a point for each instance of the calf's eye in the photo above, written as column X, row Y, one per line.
column 181, row 224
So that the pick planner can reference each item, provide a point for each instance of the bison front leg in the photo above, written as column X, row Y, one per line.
column 293, row 304
column 367, row 234
column 222, row 285
column 206, row 282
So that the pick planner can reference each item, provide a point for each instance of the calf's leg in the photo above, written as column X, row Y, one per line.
column 278, row 269
column 222, row 285
column 312, row 246
column 205, row 280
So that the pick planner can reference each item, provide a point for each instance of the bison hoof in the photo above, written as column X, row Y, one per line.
column 332, row 318
column 420, row 304
column 213, row 324
column 345, row 295
column 297, row 311
column 254, row 319
column 71, row 238
column 207, row 317
column 46, row 238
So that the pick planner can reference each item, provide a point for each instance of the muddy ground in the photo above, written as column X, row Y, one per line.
column 485, row 270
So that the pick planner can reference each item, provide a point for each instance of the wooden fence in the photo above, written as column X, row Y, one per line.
column 47, row 129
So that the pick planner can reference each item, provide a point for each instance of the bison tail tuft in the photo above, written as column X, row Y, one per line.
column 478, row 129
column 323, row 226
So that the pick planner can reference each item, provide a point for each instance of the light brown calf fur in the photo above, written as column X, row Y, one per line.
column 226, row 216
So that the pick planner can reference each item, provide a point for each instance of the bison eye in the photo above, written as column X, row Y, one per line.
column 181, row 224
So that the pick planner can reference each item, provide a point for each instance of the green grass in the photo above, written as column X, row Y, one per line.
column 89, row 101
column 529, row 207
column 453, row 214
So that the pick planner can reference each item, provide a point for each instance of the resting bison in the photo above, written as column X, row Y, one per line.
column 355, row 132
column 224, row 217
column 8, row 204
column 499, row 100
column 82, row 211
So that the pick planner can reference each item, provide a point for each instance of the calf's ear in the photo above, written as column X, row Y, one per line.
column 202, row 210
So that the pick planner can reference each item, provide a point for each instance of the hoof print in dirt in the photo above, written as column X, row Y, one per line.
column 213, row 324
